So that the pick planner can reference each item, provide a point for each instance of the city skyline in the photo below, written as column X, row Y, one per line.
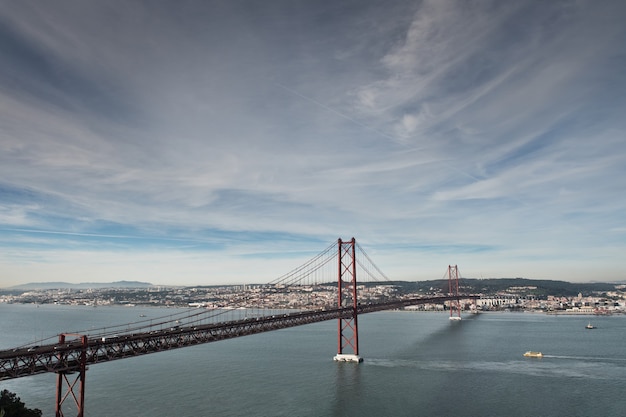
column 203, row 143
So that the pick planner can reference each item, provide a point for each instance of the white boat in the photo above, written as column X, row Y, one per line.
column 532, row 354
column 590, row 326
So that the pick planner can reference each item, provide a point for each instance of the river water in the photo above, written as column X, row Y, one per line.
column 415, row 364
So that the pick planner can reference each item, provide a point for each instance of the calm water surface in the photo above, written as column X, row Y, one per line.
column 416, row 364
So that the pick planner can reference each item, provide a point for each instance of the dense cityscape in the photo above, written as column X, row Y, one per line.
column 514, row 298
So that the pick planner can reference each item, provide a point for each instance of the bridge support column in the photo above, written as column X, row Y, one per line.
column 453, row 287
column 79, row 383
column 348, row 328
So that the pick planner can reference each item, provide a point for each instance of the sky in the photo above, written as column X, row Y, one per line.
column 228, row 142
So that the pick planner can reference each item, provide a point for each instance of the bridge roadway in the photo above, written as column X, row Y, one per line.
column 66, row 357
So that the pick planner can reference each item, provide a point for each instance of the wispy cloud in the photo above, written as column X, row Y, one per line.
column 488, row 132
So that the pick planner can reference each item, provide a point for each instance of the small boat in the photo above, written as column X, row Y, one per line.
column 531, row 354
column 590, row 326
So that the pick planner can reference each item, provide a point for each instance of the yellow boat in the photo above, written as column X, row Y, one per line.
column 532, row 354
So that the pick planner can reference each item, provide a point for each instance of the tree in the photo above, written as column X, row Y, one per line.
column 12, row 406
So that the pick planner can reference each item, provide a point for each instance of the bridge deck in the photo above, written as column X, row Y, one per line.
column 59, row 358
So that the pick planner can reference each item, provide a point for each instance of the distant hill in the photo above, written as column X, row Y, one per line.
column 81, row 286
column 535, row 287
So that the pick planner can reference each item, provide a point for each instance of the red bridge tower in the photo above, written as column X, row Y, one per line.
column 453, row 285
column 348, row 350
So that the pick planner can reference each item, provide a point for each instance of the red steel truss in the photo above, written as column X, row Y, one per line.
column 80, row 361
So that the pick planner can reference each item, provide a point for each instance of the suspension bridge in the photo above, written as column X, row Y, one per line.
column 69, row 356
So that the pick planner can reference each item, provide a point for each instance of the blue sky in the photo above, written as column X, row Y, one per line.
column 203, row 142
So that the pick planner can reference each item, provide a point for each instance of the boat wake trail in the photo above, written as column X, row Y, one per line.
column 585, row 358
column 579, row 367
